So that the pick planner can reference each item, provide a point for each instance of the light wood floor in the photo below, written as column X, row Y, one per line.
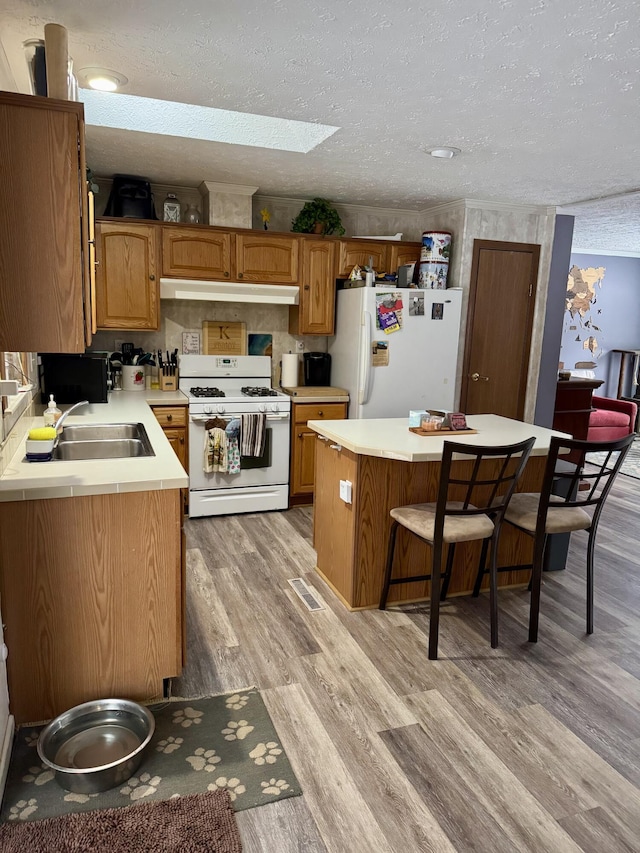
column 526, row 747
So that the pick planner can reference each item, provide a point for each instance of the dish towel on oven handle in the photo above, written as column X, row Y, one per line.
column 252, row 434
column 233, row 446
column 215, row 451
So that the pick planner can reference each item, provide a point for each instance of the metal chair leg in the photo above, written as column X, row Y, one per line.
column 389, row 567
column 493, row 590
column 481, row 568
column 536, row 583
column 447, row 572
column 434, row 617
column 590, row 579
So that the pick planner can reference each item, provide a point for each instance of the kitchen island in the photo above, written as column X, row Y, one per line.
column 91, row 568
column 389, row 466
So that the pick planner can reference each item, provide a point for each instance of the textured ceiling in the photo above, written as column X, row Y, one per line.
column 539, row 95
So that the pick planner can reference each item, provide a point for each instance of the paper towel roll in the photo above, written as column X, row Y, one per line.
column 290, row 364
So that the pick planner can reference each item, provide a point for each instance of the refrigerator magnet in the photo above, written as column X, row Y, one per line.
column 380, row 354
column 437, row 311
column 389, row 311
column 416, row 305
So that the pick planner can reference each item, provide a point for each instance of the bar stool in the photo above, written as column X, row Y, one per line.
column 541, row 514
column 472, row 499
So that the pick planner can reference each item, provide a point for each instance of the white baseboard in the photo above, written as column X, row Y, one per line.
column 5, row 756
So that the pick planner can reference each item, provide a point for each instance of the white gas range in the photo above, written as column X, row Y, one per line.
column 227, row 387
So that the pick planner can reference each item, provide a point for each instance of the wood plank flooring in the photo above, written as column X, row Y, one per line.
column 521, row 748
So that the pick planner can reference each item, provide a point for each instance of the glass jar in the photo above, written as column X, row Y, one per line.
column 192, row 215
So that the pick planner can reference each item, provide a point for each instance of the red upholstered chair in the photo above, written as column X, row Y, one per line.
column 611, row 419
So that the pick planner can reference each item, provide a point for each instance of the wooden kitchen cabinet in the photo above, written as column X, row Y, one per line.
column 303, row 446
column 266, row 258
column 45, row 289
column 358, row 252
column 402, row 253
column 199, row 253
column 91, row 590
column 315, row 315
column 173, row 420
column 127, row 292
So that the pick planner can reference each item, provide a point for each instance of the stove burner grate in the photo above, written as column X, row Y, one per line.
column 258, row 391
column 199, row 391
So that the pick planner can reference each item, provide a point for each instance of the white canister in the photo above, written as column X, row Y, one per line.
column 132, row 377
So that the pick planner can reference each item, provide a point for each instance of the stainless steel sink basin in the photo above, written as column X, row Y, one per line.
column 103, row 441
column 92, row 432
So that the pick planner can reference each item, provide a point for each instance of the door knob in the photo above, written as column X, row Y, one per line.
column 475, row 377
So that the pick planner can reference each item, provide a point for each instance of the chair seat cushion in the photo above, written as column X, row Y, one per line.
column 609, row 418
column 523, row 512
column 420, row 519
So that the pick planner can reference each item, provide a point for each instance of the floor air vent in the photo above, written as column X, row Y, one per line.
column 304, row 593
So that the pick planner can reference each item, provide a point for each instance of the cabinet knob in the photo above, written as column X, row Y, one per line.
column 169, row 417
column 320, row 414
column 300, row 435
column 226, row 275
column 152, row 278
column 306, row 287
column 240, row 275
column 181, row 439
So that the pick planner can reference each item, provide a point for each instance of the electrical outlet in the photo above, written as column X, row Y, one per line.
column 299, row 346
column 118, row 344
column 345, row 491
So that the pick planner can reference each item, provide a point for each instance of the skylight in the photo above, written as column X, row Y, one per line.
column 170, row 118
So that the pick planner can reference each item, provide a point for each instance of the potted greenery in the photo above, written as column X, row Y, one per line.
column 318, row 217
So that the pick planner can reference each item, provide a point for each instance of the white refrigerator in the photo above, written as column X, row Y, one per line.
column 422, row 354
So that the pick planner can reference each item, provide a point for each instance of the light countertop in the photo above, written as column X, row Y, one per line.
column 24, row 480
column 317, row 394
column 389, row 438
column 161, row 398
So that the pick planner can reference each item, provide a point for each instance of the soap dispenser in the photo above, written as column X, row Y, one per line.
column 52, row 413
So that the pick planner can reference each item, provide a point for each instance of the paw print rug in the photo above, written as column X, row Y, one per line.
column 224, row 742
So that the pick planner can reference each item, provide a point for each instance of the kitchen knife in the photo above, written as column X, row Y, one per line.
column 127, row 353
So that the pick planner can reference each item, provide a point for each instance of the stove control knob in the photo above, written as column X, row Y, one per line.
column 207, row 410
column 275, row 407
column 221, row 410
column 262, row 407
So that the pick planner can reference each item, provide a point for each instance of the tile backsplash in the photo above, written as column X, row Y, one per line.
column 178, row 316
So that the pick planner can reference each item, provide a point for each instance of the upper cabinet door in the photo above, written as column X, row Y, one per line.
column 196, row 253
column 267, row 258
column 358, row 252
column 127, row 281
column 403, row 253
column 317, row 288
column 41, row 236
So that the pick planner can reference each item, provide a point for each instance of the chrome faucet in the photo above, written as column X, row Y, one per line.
column 66, row 414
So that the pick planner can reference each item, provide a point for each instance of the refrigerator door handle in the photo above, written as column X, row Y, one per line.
column 365, row 391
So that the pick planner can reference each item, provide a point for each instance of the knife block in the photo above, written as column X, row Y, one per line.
column 169, row 383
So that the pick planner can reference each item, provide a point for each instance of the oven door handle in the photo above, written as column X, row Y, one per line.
column 200, row 419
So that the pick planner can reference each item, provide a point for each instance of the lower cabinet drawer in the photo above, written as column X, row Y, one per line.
column 303, row 412
column 170, row 416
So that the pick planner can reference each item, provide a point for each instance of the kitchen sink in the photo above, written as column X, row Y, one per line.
column 102, row 441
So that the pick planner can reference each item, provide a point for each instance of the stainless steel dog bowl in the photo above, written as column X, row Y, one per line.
column 97, row 745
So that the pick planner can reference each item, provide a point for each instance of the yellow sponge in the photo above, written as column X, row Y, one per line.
column 42, row 433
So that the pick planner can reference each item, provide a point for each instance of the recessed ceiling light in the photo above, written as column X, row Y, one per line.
column 101, row 78
column 445, row 152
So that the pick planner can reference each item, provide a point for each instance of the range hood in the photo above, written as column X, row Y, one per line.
column 228, row 291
